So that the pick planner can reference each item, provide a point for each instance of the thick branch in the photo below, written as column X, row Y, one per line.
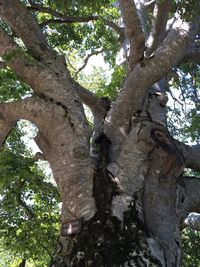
column 28, row 68
column 33, row 109
column 193, row 54
column 188, row 196
column 160, row 17
column 99, row 108
column 54, row 86
column 145, row 74
column 25, row 26
column 95, row 103
column 143, row 14
column 191, row 155
column 25, row 66
column 133, row 31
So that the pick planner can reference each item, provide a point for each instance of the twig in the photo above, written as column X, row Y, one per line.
column 86, row 61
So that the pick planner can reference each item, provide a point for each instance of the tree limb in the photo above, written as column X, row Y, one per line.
column 188, row 196
column 25, row 66
column 62, row 18
column 193, row 54
column 159, row 22
column 191, row 155
column 99, row 106
column 68, row 19
column 91, row 100
column 133, row 32
column 58, row 146
column 28, row 68
column 53, row 85
column 86, row 61
column 131, row 98
column 43, row 9
column 25, row 26
column 34, row 109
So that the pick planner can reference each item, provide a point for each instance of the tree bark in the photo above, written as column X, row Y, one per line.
column 136, row 222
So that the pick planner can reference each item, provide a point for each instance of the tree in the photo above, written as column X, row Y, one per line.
column 121, row 181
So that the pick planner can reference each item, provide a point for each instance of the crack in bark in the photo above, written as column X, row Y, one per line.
column 50, row 99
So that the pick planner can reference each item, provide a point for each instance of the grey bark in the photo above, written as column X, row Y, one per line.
column 124, row 206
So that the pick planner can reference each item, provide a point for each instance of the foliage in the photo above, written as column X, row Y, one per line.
column 184, row 119
column 11, row 87
column 191, row 241
column 28, row 205
column 188, row 9
column 84, row 37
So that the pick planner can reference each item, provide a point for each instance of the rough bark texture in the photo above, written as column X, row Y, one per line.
column 124, row 204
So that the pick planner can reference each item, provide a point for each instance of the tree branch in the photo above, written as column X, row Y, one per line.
column 159, row 22
column 52, row 85
column 58, row 146
column 34, row 109
column 193, row 54
column 24, row 65
column 95, row 103
column 188, row 196
column 99, row 108
column 143, row 15
column 28, row 68
column 133, row 31
column 191, row 155
column 131, row 98
column 26, row 208
column 68, row 19
column 25, row 26
column 86, row 61
column 62, row 18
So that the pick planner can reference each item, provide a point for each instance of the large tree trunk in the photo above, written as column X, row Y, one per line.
column 132, row 226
